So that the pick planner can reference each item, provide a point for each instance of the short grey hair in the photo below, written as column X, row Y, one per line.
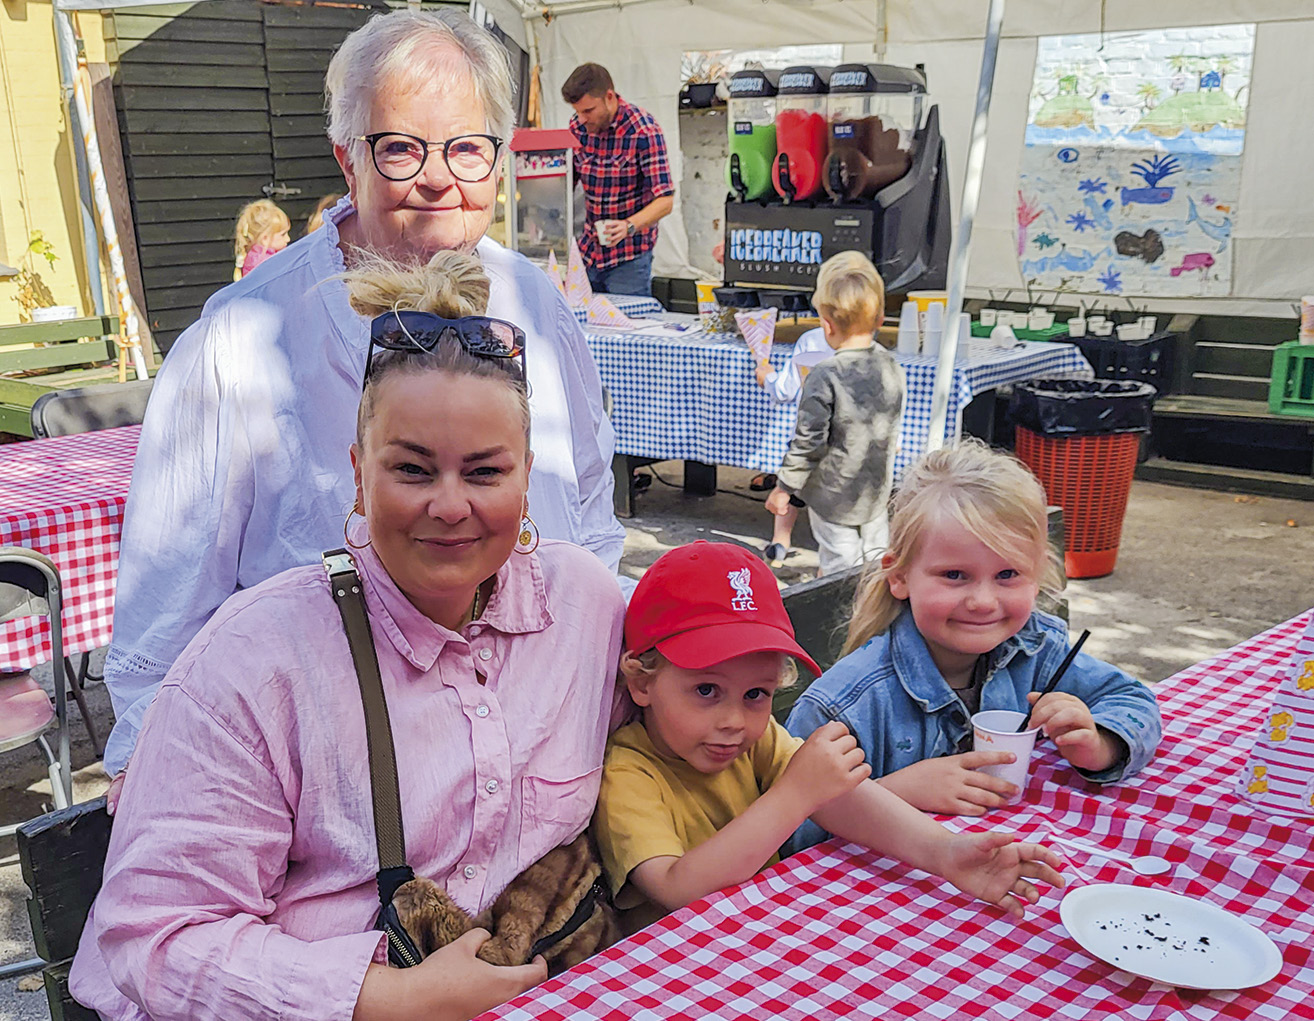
column 406, row 49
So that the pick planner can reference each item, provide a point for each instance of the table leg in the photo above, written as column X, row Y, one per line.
column 699, row 478
column 622, row 473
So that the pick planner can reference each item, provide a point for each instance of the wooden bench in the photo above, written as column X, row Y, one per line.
column 81, row 352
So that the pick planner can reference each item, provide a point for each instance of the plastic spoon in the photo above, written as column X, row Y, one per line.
column 1150, row 865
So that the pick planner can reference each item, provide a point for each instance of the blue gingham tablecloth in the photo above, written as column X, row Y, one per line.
column 692, row 396
column 629, row 304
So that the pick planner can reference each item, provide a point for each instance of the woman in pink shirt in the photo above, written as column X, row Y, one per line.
column 240, row 881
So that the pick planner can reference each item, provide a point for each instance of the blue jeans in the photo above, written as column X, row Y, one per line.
column 633, row 277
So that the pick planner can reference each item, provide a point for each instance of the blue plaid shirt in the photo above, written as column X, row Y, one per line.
column 622, row 169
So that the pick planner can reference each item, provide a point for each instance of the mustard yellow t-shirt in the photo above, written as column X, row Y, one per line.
column 650, row 806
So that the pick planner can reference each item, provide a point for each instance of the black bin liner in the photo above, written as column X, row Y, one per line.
column 1079, row 407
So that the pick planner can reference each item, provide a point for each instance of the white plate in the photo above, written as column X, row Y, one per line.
column 1169, row 938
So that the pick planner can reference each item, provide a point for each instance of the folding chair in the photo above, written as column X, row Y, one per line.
column 90, row 408
column 29, row 585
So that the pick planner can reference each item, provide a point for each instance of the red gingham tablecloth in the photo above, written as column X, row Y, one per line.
column 64, row 497
column 838, row 932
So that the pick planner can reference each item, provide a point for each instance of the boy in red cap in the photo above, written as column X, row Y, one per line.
column 700, row 792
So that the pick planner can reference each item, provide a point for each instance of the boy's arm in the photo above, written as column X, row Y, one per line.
column 827, row 765
column 811, row 433
column 734, row 855
column 991, row 865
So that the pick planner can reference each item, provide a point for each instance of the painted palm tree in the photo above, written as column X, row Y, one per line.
column 1224, row 66
column 1149, row 94
column 1179, row 62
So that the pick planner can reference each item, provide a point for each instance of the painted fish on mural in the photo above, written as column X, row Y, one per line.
column 1147, row 246
column 1196, row 260
column 1219, row 232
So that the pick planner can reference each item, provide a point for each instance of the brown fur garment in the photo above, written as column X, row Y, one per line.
column 538, row 903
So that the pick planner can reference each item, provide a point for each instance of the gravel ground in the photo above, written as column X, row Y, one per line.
column 1198, row 572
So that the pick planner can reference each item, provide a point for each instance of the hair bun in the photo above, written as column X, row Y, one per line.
column 450, row 284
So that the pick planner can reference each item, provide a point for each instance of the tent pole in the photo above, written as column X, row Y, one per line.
column 944, row 367
column 130, row 335
column 90, row 240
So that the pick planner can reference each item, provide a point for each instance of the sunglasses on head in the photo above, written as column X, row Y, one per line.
column 408, row 330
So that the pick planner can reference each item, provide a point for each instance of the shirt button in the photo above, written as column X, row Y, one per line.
column 491, row 787
column 469, row 872
column 482, row 711
column 485, row 654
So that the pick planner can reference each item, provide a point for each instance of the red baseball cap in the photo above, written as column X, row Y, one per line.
column 707, row 602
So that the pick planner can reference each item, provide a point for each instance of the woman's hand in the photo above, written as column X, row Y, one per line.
column 1066, row 720
column 997, row 868
column 778, row 504
column 828, row 765
column 115, row 791
column 951, row 785
column 451, row 984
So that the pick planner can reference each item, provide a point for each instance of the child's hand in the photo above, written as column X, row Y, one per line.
column 763, row 370
column 829, row 764
column 950, row 785
column 778, row 502
column 996, row 868
column 1067, row 722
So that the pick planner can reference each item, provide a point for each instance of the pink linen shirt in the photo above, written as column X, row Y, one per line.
column 240, row 876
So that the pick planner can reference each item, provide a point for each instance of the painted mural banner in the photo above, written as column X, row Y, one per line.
column 1132, row 164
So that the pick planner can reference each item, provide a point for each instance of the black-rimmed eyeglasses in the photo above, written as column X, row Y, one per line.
column 399, row 157
column 408, row 330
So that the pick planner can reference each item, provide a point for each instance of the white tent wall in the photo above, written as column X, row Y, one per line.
column 641, row 43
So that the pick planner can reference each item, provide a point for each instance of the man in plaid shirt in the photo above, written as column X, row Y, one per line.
column 621, row 164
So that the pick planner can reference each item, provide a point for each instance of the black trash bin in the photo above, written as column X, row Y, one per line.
column 1081, row 438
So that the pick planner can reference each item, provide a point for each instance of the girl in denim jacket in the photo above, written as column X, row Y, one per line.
column 946, row 625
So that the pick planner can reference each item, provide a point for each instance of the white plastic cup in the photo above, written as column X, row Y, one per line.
column 1077, row 326
column 963, row 352
column 1094, row 321
column 600, row 227
column 1003, row 337
column 995, row 730
column 1102, row 329
column 931, row 343
column 1148, row 325
column 910, row 340
column 933, row 318
column 1129, row 331
column 989, row 316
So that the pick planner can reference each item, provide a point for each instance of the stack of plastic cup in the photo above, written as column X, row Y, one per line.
column 963, row 352
column 909, row 336
column 934, row 328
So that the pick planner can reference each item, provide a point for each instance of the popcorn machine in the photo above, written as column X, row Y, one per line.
column 541, row 192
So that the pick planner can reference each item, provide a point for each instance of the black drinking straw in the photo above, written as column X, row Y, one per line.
column 1058, row 676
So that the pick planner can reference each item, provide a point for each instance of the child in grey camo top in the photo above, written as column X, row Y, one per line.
column 841, row 460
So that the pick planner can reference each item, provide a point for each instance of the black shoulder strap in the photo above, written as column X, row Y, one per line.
column 344, row 582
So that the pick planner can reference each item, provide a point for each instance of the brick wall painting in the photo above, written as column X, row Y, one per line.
column 1132, row 164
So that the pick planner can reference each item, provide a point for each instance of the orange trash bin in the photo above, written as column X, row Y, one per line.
column 1086, row 472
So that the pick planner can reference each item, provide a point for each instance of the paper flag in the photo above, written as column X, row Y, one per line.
column 603, row 313
column 758, row 327
column 554, row 271
column 578, row 291
column 1280, row 773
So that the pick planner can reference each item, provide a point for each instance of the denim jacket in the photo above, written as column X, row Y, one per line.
column 891, row 696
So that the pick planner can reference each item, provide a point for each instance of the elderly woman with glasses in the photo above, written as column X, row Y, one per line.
column 241, row 875
column 239, row 474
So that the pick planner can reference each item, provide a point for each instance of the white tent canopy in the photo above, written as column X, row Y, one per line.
column 641, row 42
